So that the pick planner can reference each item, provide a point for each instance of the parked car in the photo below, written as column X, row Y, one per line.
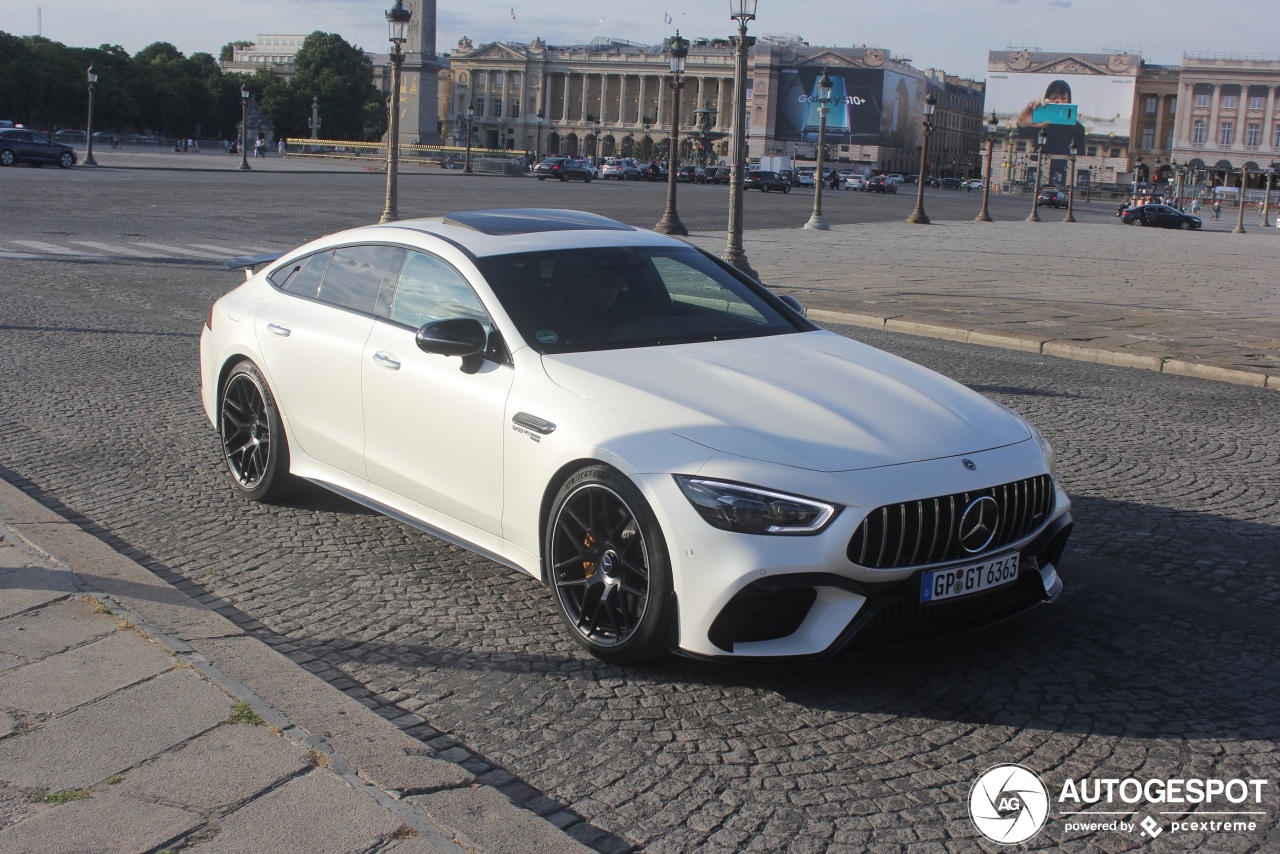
column 1160, row 216
column 70, row 135
column 1051, row 199
column 690, row 175
column 789, row 175
column 717, row 174
column 804, row 177
column 19, row 145
column 880, row 184
column 854, row 182
column 547, row 388
column 623, row 168
column 975, row 184
column 564, row 169
column 764, row 180
column 951, row 183
column 911, row 179
column 653, row 171
column 894, row 177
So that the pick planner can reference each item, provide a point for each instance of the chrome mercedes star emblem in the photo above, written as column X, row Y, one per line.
column 978, row 524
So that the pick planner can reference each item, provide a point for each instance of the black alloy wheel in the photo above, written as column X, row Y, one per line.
column 607, row 563
column 253, row 442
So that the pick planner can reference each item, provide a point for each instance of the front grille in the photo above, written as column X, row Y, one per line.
column 923, row 532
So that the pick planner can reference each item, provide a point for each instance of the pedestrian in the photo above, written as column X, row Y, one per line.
column 1217, row 209
column 280, row 146
column 1195, row 207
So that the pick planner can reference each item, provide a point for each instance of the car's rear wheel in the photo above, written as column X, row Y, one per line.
column 608, row 566
column 8, row 158
column 1138, row 221
column 66, row 161
column 564, row 178
column 764, row 188
column 542, row 177
column 253, row 441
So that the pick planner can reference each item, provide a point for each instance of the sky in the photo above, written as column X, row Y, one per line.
column 952, row 35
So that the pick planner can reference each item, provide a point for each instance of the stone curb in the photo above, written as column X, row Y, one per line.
column 1048, row 347
column 367, row 751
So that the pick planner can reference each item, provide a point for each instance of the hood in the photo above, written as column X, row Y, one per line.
column 812, row 400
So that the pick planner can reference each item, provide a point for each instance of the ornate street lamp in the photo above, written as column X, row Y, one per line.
column 993, row 125
column 466, row 160
column 1041, row 140
column 1244, row 179
column 397, row 32
column 1266, row 199
column 1071, row 184
column 918, row 215
column 824, row 103
column 93, row 87
column 741, row 11
column 314, row 121
column 1009, row 142
column 677, row 52
column 244, row 127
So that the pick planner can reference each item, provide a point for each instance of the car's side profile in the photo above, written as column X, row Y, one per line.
column 683, row 459
column 20, row 145
column 1159, row 216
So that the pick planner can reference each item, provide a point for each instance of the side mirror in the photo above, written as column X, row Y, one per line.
column 459, row 336
column 795, row 304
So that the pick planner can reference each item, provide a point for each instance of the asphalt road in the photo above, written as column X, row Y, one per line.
column 1158, row 661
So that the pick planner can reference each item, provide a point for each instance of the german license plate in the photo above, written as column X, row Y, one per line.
column 963, row 580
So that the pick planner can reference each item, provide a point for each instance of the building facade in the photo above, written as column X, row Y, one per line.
column 1227, row 117
column 613, row 97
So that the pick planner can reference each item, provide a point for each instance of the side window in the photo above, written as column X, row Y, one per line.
column 354, row 277
column 302, row 278
column 430, row 290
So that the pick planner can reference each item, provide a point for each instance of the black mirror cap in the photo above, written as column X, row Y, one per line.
column 459, row 336
column 795, row 304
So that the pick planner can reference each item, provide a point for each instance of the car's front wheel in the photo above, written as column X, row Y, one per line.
column 608, row 565
column 7, row 157
column 1184, row 225
column 253, row 441
column 66, row 161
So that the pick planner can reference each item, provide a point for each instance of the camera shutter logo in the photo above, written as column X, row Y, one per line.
column 1009, row 804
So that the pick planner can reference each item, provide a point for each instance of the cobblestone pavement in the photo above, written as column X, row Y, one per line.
column 1158, row 661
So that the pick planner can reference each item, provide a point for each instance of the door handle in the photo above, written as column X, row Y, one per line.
column 279, row 330
column 385, row 360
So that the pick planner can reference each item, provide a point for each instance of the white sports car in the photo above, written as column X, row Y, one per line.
column 686, row 461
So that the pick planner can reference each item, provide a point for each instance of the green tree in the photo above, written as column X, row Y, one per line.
column 342, row 76
column 228, row 51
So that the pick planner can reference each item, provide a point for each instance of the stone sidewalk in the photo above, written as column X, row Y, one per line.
column 134, row 719
column 1201, row 303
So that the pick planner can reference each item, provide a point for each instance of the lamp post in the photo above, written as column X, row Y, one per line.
column 677, row 52
column 1009, row 142
column 741, row 11
column 1041, row 139
column 314, row 121
column 1071, row 184
column 93, row 88
column 1244, row 177
column 596, row 146
column 244, row 127
column 824, row 103
column 1137, row 165
column 918, row 215
column 397, row 32
column 993, row 123
column 466, row 160
column 1266, row 200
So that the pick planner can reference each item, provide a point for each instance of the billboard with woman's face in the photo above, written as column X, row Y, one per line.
column 1067, row 107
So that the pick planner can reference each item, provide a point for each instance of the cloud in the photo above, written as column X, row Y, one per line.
column 1059, row 4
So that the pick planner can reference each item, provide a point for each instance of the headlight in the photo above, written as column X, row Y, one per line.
column 751, row 510
column 1046, row 449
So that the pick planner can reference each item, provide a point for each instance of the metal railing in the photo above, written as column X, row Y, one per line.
column 484, row 160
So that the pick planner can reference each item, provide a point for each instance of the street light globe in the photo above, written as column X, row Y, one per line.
column 929, row 103
column 398, row 23
column 824, row 88
column 742, row 10
column 678, row 52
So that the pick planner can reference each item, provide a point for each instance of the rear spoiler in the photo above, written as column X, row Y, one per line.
column 251, row 263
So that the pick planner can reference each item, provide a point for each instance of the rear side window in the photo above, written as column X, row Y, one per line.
column 302, row 278
column 354, row 277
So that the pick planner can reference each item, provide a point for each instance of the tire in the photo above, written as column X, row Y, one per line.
column 542, row 177
column 786, row 190
column 608, row 568
column 1184, row 226
column 564, row 179
column 66, row 161
column 764, row 188
column 253, row 441
column 7, row 157
column 586, row 180
column 1138, row 221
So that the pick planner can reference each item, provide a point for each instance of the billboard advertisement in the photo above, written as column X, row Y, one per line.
column 1069, row 107
column 903, row 99
column 857, row 105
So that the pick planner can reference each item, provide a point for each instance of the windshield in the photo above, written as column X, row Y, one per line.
column 606, row 298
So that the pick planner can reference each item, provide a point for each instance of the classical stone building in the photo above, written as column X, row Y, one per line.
column 1227, row 116
column 614, row 97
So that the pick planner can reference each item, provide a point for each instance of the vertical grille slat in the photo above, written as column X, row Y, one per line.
column 923, row 531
